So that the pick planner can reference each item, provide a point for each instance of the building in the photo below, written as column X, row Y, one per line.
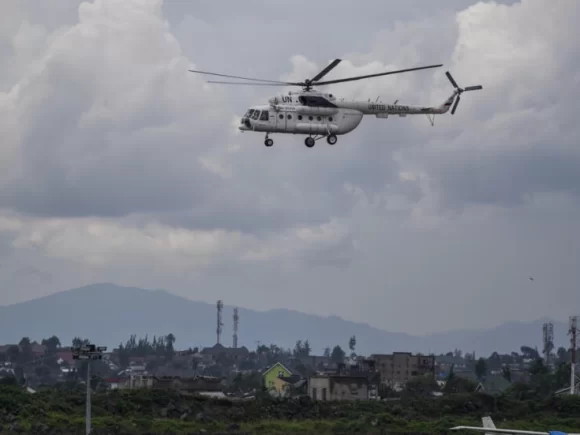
column 341, row 387
column 140, row 380
column 444, row 364
column 193, row 385
column 397, row 368
column 220, row 352
column 286, row 386
column 315, row 362
column 275, row 378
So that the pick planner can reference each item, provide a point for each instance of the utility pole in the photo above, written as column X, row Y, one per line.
column 88, row 352
column 573, row 345
column 220, row 306
column 236, row 320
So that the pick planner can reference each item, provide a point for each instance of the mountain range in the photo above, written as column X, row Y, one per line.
column 108, row 314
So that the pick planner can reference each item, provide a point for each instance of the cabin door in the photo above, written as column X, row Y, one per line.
column 280, row 121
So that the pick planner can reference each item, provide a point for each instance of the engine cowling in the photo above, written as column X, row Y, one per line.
column 309, row 110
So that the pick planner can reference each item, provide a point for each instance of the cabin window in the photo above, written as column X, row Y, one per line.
column 318, row 118
column 310, row 118
column 256, row 114
column 289, row 116
column 281, row 116
column 264, row 115
column 299, row 117
column 330, row 118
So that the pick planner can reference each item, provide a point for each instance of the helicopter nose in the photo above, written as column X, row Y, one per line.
column 244, row 124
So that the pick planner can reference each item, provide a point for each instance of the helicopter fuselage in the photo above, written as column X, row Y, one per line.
column 322, row 114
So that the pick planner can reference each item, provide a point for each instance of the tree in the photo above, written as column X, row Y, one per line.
column 327, row 352
column 458, row 385
column 52, row 344
column 170, row 339
column 494, row 361
column 351, row 346
column 562, row 355
column 13, row 354
column 301, row 349
column 562, row 376
column 123, row 356
column 78, row 342
column 480, row 368
column 529, row 353
column 337, row 355
column 506, row 373
column 420, row 386
column 25, row 354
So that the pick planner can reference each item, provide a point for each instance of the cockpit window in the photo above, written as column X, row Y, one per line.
column 249, row 113
column 256, row 114
column 264, row 116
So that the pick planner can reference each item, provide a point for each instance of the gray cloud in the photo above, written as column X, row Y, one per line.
column 118, row 165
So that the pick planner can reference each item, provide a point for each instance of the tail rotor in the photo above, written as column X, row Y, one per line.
column 460, row 90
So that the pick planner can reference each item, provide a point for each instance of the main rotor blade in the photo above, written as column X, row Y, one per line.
column 473, row 88
column 329, row 82
column 247, row 84
column 244, row 78
column 455, row 105
column 451, row 79
column 326, row 70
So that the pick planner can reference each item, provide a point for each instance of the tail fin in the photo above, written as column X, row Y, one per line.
column 488, row 424
column 444, row 108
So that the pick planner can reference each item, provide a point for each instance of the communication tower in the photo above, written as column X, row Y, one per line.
column 220, row 306
column 573, row 345
column 236, row 320
column 548, row 342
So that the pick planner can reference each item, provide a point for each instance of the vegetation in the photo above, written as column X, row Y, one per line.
column 157, row 411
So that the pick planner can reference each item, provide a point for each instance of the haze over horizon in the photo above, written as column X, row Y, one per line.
column 118, row 165
column 281, row 308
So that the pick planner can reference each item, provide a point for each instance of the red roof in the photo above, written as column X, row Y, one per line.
column 65, row 355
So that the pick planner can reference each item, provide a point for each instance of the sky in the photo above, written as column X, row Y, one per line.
column 118, row 165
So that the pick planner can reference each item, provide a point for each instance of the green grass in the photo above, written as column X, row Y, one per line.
column 151, row 411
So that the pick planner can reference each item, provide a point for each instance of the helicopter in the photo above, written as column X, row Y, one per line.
column 324, row 115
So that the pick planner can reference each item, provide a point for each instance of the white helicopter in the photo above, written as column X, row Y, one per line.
column 320, row 115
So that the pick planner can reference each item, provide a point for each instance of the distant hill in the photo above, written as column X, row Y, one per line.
column 108, row 314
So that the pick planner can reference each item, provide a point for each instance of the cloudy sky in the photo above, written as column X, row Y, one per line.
column 118, row 165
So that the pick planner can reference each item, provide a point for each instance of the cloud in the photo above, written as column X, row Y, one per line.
column 119, row 165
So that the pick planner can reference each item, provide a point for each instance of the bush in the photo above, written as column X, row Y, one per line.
column 156, row 411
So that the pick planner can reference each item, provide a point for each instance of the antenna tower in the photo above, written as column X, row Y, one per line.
column 236, row 320
column 573, row 345
column 548, row 342
column 220, row 306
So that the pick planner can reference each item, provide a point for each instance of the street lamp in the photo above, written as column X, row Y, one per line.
column 88, row 352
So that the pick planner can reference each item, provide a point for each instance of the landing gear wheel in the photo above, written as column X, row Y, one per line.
column 332, row 139
column 309, row 142
column 268, row 142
